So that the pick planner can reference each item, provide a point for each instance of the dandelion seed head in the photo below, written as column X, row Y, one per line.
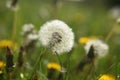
column 29, row 34
column 100, row 48
column 13, row 7
column 115, row 12
column 57, row 35
column 118, row 20
column 27, row 28
column 32, row 36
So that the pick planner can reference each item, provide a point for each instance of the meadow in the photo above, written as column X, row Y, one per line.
column 59, row 40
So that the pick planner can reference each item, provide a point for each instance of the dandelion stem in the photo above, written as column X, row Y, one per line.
column 9, row 76
column 58, row 58
column 68, row 66
column 36, row 65
column 110, row 34
column 55, row 8
column 14, row 30
column 90, row 70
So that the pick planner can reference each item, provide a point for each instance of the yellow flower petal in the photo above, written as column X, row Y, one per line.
column 84, row 40
column 1, row 72
column 53, row 65
column 107, row 77
column 6, row 43
column 2, row 64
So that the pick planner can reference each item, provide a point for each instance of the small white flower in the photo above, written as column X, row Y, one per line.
column 12, row 4
column 32, row 37
column 29, row 34
column 57, row 35
column 27, row 28
column 118, row 20
column 115, row 12
column 100, row 48
column 21, row 75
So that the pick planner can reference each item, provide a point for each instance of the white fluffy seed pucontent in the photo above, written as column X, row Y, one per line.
column 100, row 48
column 57, row 35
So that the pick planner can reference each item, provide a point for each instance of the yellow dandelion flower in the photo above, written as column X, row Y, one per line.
column 1, row 72
column 53, row 65
column 107, row 77
column 2, row 64
column 84, row 40
column 6, row 43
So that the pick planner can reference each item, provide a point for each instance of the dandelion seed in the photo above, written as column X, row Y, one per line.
column 100, row 48
column 107, row 77
column 57, row 36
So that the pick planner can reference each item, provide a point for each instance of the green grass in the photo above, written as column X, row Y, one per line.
column 85, row 19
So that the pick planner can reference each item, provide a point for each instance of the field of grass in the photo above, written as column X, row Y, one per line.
column 23, row 59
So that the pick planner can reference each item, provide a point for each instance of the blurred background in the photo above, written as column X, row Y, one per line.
column 85, row 17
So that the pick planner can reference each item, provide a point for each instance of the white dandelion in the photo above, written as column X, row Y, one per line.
column 29, row 34
column 100, row 48
column 57, row 36
column 27, row 28
column 12, row 4
column 32, row 37
column 118, row 20
column 115, row 12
